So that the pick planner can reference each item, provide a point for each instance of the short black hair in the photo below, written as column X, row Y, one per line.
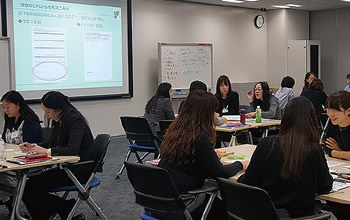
column 288, row 82
column 198, row 85
column 348, row 76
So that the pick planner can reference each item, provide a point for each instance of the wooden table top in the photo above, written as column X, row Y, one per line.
column 251, row 123
column 13, row 167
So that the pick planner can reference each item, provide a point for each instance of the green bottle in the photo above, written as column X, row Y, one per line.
column 258, row 115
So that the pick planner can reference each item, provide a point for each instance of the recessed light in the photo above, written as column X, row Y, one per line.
column 233, row 1
column 255, row 0
column 280, row 6
column 345, row 0
column 294, row 5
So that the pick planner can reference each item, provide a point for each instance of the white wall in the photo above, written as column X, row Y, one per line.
column 332, row 28
column 239, row 52
column 283, row 25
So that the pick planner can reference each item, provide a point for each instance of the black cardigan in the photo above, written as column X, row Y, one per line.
column 204, row 164
column 297, row 197
column 77, row 138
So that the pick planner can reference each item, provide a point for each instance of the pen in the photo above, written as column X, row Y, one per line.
column 20, row 140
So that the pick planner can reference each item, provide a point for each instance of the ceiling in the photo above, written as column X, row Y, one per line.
column 307, row 5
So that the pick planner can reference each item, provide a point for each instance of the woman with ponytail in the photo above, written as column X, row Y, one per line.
column 70, row 136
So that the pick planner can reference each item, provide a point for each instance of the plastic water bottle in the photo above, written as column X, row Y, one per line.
column 242, row 116
column 258, row 115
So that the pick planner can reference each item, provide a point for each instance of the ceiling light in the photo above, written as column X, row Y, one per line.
column 233, row 1
column 345, row 0
column 255, row 0
column 280, row 6
column 294, row 5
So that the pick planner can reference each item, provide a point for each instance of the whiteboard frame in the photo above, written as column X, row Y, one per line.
column 183, row 91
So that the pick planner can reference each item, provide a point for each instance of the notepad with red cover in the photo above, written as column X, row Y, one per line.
column 40, row 159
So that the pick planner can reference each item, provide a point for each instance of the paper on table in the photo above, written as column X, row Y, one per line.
column 339, row 185
column 232, row 117
column 332, row 163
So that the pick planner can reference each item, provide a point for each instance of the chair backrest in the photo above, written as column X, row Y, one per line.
column 153, row 188
column 101, row 143
column 246, row 202
column 164, row 125
column 138, row 130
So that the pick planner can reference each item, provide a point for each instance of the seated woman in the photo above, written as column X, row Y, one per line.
column 309, row 77
column 268, row 103
column 70, row 136
column 229, row 100
column 338, row 132
column 291, row 166
column 159, row 107
column 21, row 124
column 316, row 95
column 187, row 150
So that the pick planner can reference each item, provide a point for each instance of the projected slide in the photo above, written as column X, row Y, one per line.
column 61, row 45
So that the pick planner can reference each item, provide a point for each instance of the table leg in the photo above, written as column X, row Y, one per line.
column 18, row 195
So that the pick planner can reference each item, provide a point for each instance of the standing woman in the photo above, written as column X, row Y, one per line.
column 229, row 100
column 187, row 149
column 309, row 77
column 338, row 132
column 70, row 136
column 21, row 123
column 159, row 107
column 268, row 103
column 291, row 166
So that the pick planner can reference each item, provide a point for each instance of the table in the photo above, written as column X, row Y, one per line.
column 23, row 170
column 342, row 196
column 252, row 124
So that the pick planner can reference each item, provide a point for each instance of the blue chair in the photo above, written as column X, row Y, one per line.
column 141, row 139
column 101, row 143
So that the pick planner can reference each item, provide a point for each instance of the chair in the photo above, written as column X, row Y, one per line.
column 101, row 143
column 164, row 125
column 244, row 202
column 141, row 139
column 155, row 191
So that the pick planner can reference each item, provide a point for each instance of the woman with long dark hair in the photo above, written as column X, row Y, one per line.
column 21, row 122
column 291, row 166
column 187, row 150
column 70, row 136
column 316, row 95
column 229, row 100
column 309, row 77
column 159, row 107
column 338, row 131
column 268, row 103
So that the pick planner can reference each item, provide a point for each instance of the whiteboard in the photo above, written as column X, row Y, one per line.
column 180, row 64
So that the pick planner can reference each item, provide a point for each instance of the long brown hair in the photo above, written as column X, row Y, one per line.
column 197, row 117
column 299, row 135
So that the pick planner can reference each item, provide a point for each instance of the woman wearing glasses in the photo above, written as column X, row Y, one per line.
column 338, row 132
column 268, row 103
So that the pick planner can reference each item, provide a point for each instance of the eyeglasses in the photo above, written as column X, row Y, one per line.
column 257, row 89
